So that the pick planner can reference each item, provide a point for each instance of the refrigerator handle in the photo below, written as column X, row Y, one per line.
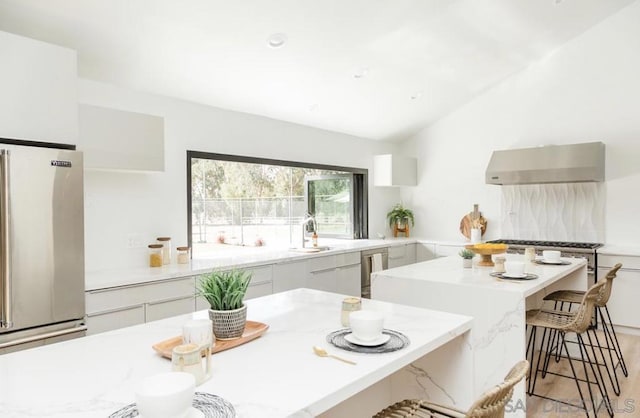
column 5, row 260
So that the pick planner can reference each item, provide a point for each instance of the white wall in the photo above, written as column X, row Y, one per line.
column 155, row 204
column 587, row 90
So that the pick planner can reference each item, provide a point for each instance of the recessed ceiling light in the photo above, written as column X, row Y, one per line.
column 416, row 95
column 277, row 40
column 361, row 72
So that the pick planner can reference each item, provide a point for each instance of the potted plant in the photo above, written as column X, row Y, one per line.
column 467, row 257
column 399, row 218
column 225, row 291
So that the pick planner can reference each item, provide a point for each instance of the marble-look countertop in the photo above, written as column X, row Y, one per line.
column 231, row 256
column 611, row 249
column 448, row 270
column 276, row 375
column 497, row 306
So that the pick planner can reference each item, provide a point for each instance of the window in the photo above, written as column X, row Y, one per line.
column 251, row 201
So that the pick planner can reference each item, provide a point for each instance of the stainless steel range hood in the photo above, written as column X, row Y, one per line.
column 548, row 164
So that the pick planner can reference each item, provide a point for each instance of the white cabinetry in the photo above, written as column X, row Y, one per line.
column 288, row 276
column 425, row 251
column 401, row 255
column 335, row 273
column 118, row 140
column 39, row 93
column 623, row 303
column 131, row 305
column 444, row 250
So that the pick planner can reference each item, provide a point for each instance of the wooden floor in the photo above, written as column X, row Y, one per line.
column 626, row 405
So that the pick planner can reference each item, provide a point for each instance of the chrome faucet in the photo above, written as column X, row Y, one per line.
column 309, row 219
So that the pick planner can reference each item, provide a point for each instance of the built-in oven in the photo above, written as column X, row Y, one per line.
column 371, row 261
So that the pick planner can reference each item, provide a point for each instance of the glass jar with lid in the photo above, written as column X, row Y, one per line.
column 183, row 255
column 166, row 249
column 155, row 255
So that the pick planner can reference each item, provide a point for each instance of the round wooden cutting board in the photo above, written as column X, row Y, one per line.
column 465, row 225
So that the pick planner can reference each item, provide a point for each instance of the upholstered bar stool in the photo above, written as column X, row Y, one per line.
column 562, row 322
column 566, row 298
column 490, row 405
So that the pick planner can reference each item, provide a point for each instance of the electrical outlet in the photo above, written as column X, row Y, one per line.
column 134, row 240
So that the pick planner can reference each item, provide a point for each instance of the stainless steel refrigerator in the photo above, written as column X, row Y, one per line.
column 41, row 246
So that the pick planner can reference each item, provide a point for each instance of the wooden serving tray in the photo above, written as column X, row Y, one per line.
column 252, row 330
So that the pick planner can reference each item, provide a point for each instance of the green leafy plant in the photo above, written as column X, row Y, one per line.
column 466, row 254
column 400, row 215
column 224, row 290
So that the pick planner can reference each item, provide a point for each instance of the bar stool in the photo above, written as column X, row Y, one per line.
column 571, row 297
column 563, row 322
column 490, row 405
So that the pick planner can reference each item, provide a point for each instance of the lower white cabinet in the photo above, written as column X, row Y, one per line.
column 335, row 273
column 425, row 252
column 120, row 307
column 623, row 302
column 288, row 276
column 119, row 318
column 348, row 281
column 401, row 255
column 444, row 250
column 168, row 308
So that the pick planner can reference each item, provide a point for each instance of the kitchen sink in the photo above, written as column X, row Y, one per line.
column 311, row 249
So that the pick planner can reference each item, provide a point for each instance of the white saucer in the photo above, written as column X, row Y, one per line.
column 193, row 413
column 514, row 276
column 378, row 341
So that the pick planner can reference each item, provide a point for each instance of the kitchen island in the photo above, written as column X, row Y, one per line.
column 276, row 375
column 498, row 307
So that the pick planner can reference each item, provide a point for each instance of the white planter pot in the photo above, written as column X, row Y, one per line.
column 467, row 262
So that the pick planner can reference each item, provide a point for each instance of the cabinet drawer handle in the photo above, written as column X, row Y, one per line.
column 157, row 302
column 119, row 309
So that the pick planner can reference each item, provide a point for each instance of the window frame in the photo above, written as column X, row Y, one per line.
column 359, row 190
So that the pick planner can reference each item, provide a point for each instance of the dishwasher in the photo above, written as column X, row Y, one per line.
column 366, row 267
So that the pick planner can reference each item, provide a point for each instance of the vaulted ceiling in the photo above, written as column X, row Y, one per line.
column 379, row 69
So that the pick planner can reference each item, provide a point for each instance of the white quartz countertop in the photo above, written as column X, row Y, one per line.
column 276, row 375
column 230, row 256
column 449, row 270
column 610, row 249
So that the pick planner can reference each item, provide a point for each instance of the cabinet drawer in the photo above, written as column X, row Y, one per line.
column 326, row 262
column 261, row 274
column 169, row 308
column 257, row 290
column 288, row 276
column 115, row 319
column 397, row 251
column 109, row 299
column 347, row 259
column 628, row 261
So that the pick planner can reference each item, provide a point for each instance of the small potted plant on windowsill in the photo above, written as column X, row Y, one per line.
column 467, row 257
column 225, row 291
column 399, row 218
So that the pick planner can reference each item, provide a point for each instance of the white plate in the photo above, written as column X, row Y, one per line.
column 551, row 262
column 514, row 276
column 378, row 341
column 193, row 413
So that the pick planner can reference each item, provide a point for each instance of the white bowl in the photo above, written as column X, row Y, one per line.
column 514, row 268
column 166, row 395
column 366, row 325
column 551, row 256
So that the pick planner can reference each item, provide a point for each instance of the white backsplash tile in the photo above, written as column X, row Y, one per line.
column 559, row 212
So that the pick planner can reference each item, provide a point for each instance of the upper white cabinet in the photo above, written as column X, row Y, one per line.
column 38, row 99
column 117, row 140
column 393, row 170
